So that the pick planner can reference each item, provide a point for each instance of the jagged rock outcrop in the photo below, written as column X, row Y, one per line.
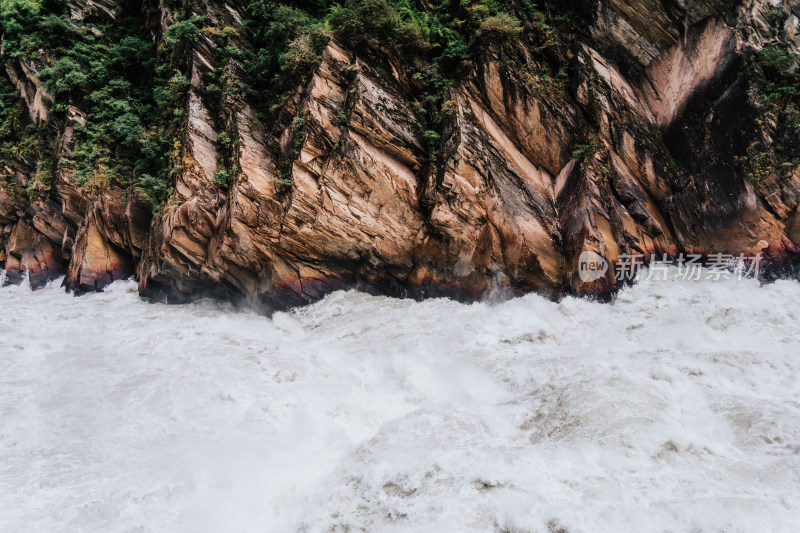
column 30, row 89
column 640, row 152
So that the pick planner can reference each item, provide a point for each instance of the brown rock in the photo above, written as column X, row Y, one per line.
column 638, row 154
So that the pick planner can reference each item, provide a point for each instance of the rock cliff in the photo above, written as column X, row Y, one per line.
column 635, row 127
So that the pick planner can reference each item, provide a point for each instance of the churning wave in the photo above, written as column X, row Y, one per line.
column 673, row 408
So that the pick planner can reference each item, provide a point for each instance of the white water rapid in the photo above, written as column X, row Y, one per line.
column 675, row 408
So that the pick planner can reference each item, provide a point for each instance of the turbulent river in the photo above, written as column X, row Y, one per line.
column 677, row 407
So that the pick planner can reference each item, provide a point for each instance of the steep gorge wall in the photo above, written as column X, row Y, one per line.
column 640, row 151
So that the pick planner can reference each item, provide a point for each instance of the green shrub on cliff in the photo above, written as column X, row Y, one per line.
column 772, row 69
column 287, row 43
column 154, row 188
column 13, row 119
column 432, row 140
column 773, row 73
column 500, row 25
column 18, row 18
column 221, row 178
column 182, row 33
column 365, row 22
column 106, row 68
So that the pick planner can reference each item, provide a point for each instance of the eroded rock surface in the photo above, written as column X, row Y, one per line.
column 639, row 154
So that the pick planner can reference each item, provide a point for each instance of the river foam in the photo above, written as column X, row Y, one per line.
column 674, row 408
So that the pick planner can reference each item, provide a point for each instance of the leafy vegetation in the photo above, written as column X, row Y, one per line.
column 583, row 152
column 432, row 139
column 775, row 17
column 758, row 164
column 772, row 72
column 17, row 134
column 107, row 69
column 283, row 179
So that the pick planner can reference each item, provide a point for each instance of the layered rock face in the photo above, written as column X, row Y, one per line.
column 648, row 147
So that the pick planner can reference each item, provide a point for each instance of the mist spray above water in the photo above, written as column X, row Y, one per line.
column 673, row 408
